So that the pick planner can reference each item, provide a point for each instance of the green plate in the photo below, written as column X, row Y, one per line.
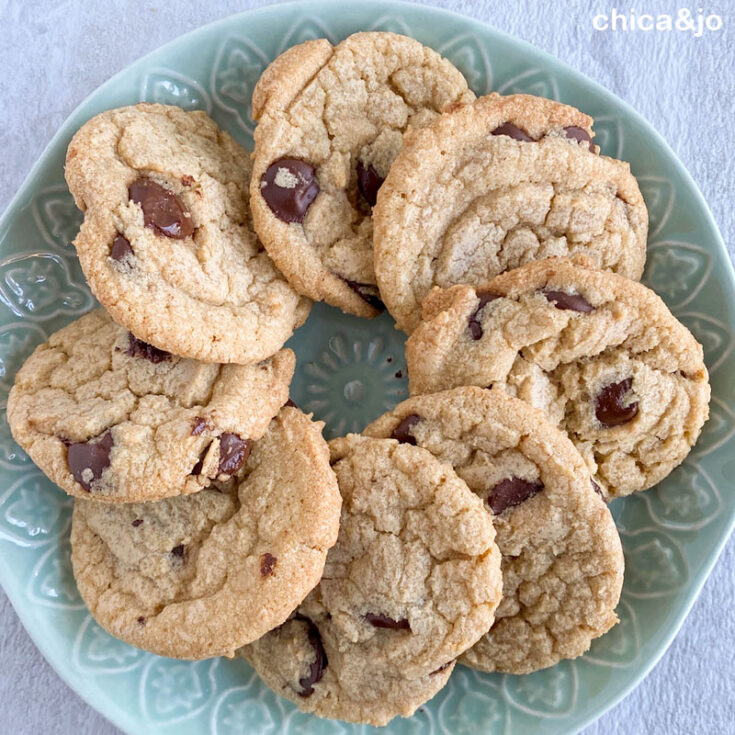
column 351, row 370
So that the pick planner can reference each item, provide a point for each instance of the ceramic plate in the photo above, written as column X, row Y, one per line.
column 351, row 370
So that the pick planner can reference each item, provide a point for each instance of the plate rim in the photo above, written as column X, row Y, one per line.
column 120, row 719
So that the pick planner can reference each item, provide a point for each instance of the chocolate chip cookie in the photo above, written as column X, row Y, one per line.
column 203, row 574
column 496, row 184
column 167, row 244
column 413, row 581
column 600, row 354
column 562, row 559
column 111, row 418
column 330, row 122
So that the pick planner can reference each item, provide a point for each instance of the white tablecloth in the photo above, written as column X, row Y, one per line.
column 55, row 53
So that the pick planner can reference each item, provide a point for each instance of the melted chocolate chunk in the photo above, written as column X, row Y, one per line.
column 511, row 492
column 367, row 293
column 512, row 131
column 568, row 301
column 402, row 432
column 199, row 426
column 368, row 182
column 163, row 211
column 473, row 322
column 316, row 669
column 233, row 452
column 609, row 406
column 121, row 247
column 178, row 551
column 383, row 621
column 289, row 186
column 267, row 564
column 579, row 134
column 197, row 468
column 137, row 522
column 138, row 348
column 597, row 488
column 87, row 460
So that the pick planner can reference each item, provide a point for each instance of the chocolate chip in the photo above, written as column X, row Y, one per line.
column 383, row 621
column 512, row 131
column 163, row 211
column 138, row 348
column 368, row 182
column 398, row 374
column 289, row 186
column 198, row 426
column 597, row 489
column 367, row 293
column 121, row 247
column 443, row 667
column 316, row 669
column 233, row 452
column 568, row 301
column 402, row 432
column 389, row 359
column 87, row 460
column 141, row 620
column 511, row 492
column 197, row 468
column 267, row 563
column 473, row 322
column 579, row 134
column 178, row 551
column 137, row 522
column 609, row 407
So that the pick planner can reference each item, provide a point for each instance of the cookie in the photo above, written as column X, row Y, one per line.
column 201, row 575
column 496, row 184
column 293, row 661
column 167, row 244
column 413, row 581
column 562, row 559
column 330, row 122
column 111, row 418
column 600, row 354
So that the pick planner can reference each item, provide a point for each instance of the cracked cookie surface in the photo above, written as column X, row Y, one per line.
column 111, row 418
column 203, row 574
column 600, row 354
column 496, row 184
column 412, row 582
column 562, row 559
column 167, row 243
column 330, row 122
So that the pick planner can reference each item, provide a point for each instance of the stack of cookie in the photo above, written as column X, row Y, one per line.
column 205, row 504
column 467, row 524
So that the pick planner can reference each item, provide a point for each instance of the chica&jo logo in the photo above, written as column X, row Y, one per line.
column 684, row 21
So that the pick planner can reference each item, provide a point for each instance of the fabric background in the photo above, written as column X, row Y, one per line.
column 55, row 52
